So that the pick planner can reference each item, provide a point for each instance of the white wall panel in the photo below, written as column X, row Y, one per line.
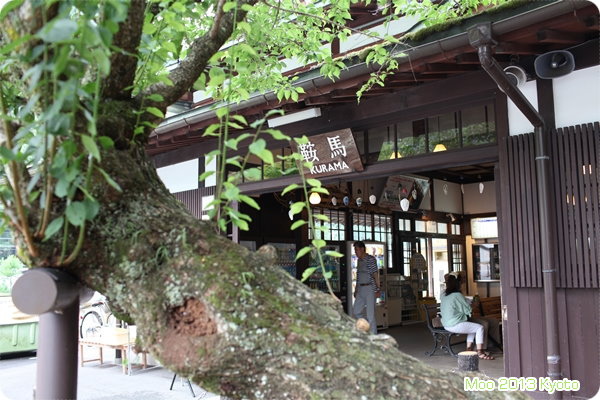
column 577, row 97
column 181, row 176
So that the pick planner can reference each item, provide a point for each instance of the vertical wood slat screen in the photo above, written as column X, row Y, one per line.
column 522, row 231
column 577, row 199
column 192, row 199
column 575, row 164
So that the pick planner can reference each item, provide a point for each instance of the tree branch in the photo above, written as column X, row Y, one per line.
column 200, row 51
column 123, row 63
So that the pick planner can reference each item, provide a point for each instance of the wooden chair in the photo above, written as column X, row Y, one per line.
column 442, row 339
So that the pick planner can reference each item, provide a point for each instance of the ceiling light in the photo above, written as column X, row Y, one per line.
column 294, row 117
column 439, row 147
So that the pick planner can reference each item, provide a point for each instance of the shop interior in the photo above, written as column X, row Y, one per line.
column 448, row 216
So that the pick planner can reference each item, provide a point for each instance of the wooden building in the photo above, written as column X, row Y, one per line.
column 548, row 223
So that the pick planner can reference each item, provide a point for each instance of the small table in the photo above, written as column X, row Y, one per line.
column 116, row 343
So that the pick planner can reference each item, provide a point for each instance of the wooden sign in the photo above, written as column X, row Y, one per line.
column 332, row 153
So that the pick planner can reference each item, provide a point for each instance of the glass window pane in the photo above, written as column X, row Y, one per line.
column 443, row 130
column 359, row 139
column 442, row 227
column 289, row 166
column 411, row 138
column 420, row 226
column 478, row 125
column 381, row 144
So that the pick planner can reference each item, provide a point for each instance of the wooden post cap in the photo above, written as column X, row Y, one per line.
column 42, row 290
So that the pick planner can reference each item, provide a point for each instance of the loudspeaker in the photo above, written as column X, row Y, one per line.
column 516, row 74
column 554, row 64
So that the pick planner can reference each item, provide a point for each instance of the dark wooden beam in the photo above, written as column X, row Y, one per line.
column 552, row 36
column 447, row 68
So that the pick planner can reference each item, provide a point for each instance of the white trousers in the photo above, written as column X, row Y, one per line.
column 472, row 330
column 364, row 306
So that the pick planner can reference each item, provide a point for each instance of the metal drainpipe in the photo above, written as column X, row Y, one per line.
column 480, row 37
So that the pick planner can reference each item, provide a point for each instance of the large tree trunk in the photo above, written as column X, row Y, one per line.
column 209, row 308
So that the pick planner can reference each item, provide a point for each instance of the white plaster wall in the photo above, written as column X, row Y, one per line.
column 518, row 124
column 478, row 203
column 449, row 201
column 577, row 97
column 181, row 176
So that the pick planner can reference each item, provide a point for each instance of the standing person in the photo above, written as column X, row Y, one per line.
column 367, row 286
column 456, row 311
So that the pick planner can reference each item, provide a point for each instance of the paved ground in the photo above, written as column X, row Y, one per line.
column 107, row 382
column 99, row 382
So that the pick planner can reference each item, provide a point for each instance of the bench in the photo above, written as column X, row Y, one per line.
column 442, row 339
column 490, row 307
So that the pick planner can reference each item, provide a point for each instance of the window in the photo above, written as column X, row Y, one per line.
column 478, row 125
column 457, row 257
column 472, row 126
column 443, row 130
column 362, row 226
column 404, row 224
column 334, row 229
column 383, row 233
column 455, row 229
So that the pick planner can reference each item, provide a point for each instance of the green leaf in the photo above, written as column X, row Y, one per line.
column 298, row 224
column 76, row 213
column 53, row 227
column 289, row 188
column 313, row 182
column 243, row 225
column 106, row 142
column 110, row 180
column 90, row 146
column 308, row 272
column 217, row 76
column 328, row 274
column 277, row 134
column 155, row 111
column 302, row 252
column 58, row 30
column 6, row 153
column 8, row 7
column 230, row 5
column 250, row 201
column 91, row 208
column 297, row 207
column 205, row 175
column 318, row 243
column 333, row 253
column 155, row 97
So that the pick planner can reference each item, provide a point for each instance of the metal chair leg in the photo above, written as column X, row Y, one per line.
column 173, row 381
column 191, row 390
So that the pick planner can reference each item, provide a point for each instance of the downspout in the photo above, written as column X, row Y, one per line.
column 480, row 37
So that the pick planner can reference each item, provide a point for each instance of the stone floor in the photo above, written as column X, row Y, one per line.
column 107, row 381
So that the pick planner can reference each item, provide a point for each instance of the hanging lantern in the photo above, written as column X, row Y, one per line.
column 346, row 200
column 315, row 198
column 334, row 201
column 481, row 187
column 372, row 199
column 404, row 204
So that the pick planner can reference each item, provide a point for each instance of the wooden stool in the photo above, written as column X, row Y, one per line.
column 468, row 361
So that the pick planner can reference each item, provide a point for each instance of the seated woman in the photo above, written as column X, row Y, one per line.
column 455, row 312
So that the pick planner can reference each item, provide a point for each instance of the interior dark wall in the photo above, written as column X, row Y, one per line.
column 269, row 224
